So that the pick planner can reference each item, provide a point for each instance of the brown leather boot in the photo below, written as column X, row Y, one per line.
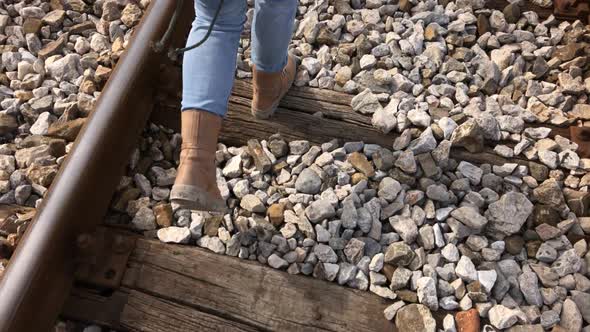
column 269, row 88
column 195, row 186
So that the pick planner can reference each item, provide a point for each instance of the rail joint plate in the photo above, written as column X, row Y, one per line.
column 102, row 257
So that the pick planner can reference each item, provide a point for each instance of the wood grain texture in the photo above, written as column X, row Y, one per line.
column 239, row 126
column 147, row 313
column 89, row 305
column 315, row 115
column 250, row 293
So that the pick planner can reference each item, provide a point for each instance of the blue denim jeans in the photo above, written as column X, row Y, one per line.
column 208, row 71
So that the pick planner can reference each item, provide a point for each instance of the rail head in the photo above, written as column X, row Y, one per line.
column 37, row 281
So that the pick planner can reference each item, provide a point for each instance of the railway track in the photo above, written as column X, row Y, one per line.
column 128, row 282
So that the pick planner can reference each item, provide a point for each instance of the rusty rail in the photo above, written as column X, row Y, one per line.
column 41, row 271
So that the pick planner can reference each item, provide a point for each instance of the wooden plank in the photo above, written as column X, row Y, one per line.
column 250, row 293
column 331, row 104
column 243, row 87
column 525, row 6
column 147, row 313
column 239, row 126
column 297, row 118
column 132, row 310
column 89, row 305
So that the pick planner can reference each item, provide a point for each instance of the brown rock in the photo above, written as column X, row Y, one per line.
column 42, row 175
column 88, row 86
column 550, row 193
column 428, row 165
column 468, row 135
column 514, row 244
column 131, row 15
column 12, row 240
column 512, row 13
column 4, row 80
column 437, row 130
column 54, row 18
column 118, row 45
column 102, row 73
column 275, row 214
column 483, row 24
column 538, row 171
column 431, row 32
column 261, row 160
column 56, row 146
column 360, row 163
column 81, row 27
column 407, row 295
column 211, row 225
column 405, row 5
column 53, row 47
column 388, row 271
column 577, row 201
column 56, row 4
column 581, row 111
column 543, row 214
column 86, row 105
column 476, row 292
column 569, row 51
column 8, row 48
column 68, row 130
column 164, row 217
column 77, row 5
column 357, row 177
column 532, row 247
column 343, row 7
column 326, row 36
column 32, row 25
column 123, row 198
column 23, row 95
column 8, row 123
column 547, row 232
column 110, row 11
column 415, row 317
column 467, row 321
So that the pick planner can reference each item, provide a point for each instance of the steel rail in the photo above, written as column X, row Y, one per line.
column 40, row 274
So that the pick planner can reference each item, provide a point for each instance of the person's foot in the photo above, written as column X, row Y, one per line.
column 195, row 186
column 269, row 88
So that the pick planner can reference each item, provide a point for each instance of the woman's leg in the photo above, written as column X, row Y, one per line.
column 274, row 70
column 272, row 28
column 207, row 76
column 208, row 71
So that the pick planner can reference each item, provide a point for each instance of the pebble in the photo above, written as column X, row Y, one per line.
column 174, row 234
column 308, row 182
column 502, row 317
column 392, row 309
column 465, row 269
column 277, row 262
column 426, row 290
column 144, row 219
column 319, row 210
column 507, row 215
column 415, row 317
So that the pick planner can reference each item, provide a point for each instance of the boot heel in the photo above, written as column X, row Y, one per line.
column 195, row 198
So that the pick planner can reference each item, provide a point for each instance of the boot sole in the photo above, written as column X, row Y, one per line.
column 195, row 198
column 265, row 114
